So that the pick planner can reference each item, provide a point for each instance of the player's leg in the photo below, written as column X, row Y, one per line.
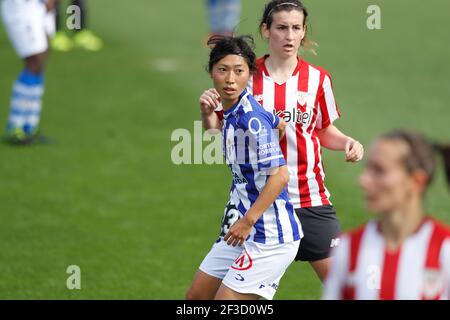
column 321, row 230
column 204, row 287
column 212, row 270
column 61, row 41
column 217, row 262
column 321, row 267
column 85, row 38
column 225, row 293
column 24, row 23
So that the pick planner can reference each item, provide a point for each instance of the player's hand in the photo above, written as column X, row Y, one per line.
column 238, row 232
column 354, row 151
column 209, row 101
column 281, row 129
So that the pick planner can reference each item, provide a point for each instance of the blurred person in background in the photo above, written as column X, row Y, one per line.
column 83, row 37
column 29, row 24
column 223, row 16
column 403, row 254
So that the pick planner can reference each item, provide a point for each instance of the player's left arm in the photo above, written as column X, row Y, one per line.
column 332, row 138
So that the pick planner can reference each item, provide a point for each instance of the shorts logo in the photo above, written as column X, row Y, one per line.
column 244, row 262
column 335, row 242
column 239, row 277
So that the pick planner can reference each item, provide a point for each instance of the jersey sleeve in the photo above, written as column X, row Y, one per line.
column 328, row 110
column 263, row 146
column 335, row 281
column 219, row 111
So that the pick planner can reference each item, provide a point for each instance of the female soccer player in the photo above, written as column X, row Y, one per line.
column 28, row 24
column 268, row 232
column 403, row 254
column 301, row 94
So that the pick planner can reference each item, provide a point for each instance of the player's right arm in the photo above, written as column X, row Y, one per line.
column 209, row 101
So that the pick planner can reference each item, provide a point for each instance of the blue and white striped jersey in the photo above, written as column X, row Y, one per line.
column 251, row 150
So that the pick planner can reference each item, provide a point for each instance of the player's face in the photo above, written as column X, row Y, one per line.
column 230, row 76
column 386, row 184
column 286, row 33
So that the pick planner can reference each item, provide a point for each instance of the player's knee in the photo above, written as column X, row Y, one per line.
column 35, row 64
column 191, row 294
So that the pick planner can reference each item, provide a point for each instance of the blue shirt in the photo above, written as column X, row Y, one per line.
column 252, row 150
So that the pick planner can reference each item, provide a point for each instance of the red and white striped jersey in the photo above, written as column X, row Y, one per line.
column 306, row 102
column 363, row 269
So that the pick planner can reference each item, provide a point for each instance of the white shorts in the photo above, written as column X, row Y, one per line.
column 255, row 268
column 27, row 24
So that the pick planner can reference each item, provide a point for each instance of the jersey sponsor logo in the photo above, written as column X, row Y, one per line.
column 254, row 125
column 296, row 115
column 433, row 284
column 268, row 148
column 238, row 180
column 243, row 262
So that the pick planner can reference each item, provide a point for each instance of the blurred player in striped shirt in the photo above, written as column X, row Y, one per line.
column 403, row 254
column 302, row 95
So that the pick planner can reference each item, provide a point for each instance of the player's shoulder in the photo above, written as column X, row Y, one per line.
column 260, row 63
column 251, row 111
column 322, row 71
column 441, row 229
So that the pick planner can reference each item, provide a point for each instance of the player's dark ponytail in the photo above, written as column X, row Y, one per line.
column 444, row 150
column 421, row 153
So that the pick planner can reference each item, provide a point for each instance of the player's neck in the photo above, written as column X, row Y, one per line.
column 401, row 223
column 281, row 69
column 228, row 104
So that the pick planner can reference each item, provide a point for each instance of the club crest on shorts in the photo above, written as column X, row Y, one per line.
column 243, row 262
column 433, row 284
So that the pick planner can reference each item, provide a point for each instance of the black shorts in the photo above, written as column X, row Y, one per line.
column 320, row 227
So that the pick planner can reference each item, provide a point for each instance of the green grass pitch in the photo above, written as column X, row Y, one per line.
column 106, row 196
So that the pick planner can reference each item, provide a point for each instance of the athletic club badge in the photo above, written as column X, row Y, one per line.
column 302, row 97
column 433, row 284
